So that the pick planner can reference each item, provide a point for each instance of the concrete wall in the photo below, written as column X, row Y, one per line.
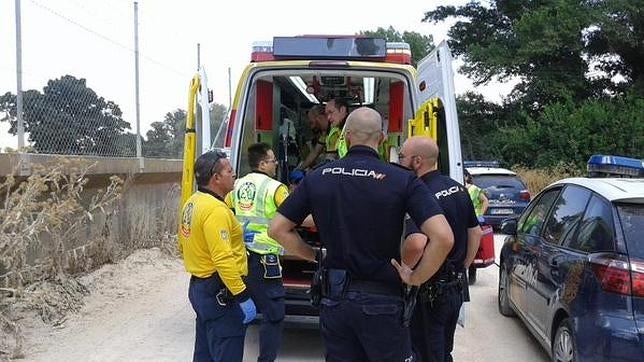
column 145, row 214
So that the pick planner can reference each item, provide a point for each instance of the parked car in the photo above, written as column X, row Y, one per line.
column 506, row 192
column 572, row 267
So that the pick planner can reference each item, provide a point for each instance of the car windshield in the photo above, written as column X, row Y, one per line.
column 498, row 181
column 632, row 218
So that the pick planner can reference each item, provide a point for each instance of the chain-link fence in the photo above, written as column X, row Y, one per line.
column 78, row 80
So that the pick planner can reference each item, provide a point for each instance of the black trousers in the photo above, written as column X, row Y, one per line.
column 268, row 295
column 432, row 326
column 220, row 331
column 364, row 327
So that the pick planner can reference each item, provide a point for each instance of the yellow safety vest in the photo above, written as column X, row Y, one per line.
column 475, row 193
column 254, row 201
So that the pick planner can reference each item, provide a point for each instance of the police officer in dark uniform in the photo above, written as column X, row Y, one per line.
column 440, row 299
column 358, row 204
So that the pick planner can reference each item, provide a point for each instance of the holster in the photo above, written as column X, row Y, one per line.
column 271, row 265
column 446, row 279
column 409, row 303
column 316, row 287
column 318, row 281
column 337, row 281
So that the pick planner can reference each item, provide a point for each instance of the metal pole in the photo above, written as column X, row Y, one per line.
column 230, row 94
column 136, row 82
column 198, row 56
column 19, row 106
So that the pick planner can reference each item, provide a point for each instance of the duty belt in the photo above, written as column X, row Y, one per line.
column 336, row 282
column 432, row 290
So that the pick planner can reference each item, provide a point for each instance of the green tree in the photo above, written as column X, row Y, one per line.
column 615, row 41
column 166, row 138
column 478, row 120
column 573, row 132
column 538, row 42
column 420, row 45
column 217, row 118
column 68, row 118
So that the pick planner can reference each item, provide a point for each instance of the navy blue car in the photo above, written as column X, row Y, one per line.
column 506, row 192
column 572, row 268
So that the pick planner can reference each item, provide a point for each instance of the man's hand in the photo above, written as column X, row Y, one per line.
column 249, row 235
column 404, row 271
column 249, row 310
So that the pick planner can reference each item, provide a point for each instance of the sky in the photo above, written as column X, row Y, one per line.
column 94, row 39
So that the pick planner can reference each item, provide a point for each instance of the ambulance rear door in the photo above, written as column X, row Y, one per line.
column 435, row 79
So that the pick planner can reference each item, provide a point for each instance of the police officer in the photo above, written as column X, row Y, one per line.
column 255, row 199
column 211, row 243
column 434, row 319
column 358, row 204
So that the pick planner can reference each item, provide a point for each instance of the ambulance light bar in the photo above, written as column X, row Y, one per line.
column 490, row 164
column 615, row 166
column 331, row 48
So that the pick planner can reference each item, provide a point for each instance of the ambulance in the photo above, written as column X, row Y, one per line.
column 289, row 75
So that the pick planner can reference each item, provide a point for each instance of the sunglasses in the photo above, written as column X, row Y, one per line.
column 219, row 155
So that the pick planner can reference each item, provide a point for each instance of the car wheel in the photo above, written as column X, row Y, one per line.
column 471, row 275
column 503, row 297
column 564, row 346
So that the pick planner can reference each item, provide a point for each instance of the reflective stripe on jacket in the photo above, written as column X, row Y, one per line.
column 254, row 202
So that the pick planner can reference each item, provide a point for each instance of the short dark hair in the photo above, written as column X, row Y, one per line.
column 467, row 176
column 207, row 165
column 257, row 152
column 317, row 110
column 341, row 102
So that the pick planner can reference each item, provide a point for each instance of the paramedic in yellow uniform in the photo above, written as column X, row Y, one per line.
column 211, row 243
column 336, row 111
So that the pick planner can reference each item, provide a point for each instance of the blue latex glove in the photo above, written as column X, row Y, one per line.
column 249, row 310
column 249, row 235
column 481, row 220
column 296, row 176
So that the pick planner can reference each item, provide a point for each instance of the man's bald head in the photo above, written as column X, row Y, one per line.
column 420, row 154
column 364, row 127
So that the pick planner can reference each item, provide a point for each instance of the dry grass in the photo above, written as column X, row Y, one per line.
column 45, row 213
column 538, row 179
column 49, row 215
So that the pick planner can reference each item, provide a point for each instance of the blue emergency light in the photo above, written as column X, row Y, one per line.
column 614, row 166
column 468, row 164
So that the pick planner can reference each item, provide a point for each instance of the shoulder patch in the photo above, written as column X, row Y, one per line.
column 186, row 220
column 224, row 235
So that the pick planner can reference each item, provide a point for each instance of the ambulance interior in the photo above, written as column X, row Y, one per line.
column 278, row 103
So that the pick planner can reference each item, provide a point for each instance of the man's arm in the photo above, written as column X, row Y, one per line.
column 440, row 233
column 283, row 231
column 218, row 229
column 485, row 203
column 412, row 248
column 312, row 156
column 473, row 241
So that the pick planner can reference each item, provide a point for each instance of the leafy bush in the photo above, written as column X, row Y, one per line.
column 569, row 133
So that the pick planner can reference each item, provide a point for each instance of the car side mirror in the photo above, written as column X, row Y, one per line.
column 509, row 226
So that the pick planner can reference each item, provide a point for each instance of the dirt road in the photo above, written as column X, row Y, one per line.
column 138, row 311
